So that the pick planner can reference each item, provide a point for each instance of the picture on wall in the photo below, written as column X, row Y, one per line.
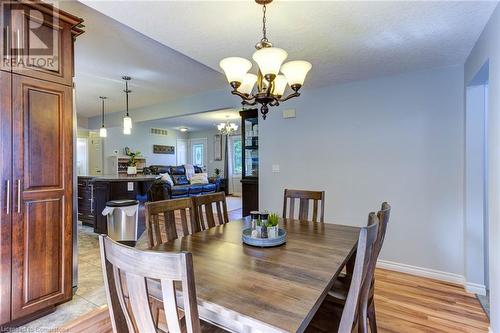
column 218, row 147
column 160, row 149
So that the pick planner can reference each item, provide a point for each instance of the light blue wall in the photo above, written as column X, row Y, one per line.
column 398, row 139
column 141, row 140
column 487, row 49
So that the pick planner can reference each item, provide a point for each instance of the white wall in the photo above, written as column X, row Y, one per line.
column 487, row 49
column 210, row 136
column 475, row 210
column 398, row 139
column 141, row 140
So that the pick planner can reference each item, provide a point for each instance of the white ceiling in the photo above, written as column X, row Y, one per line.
column 344, row 40
column 200, row 121
column 108, row 50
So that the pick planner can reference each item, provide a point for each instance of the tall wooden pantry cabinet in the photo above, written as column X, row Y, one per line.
column 36, row 156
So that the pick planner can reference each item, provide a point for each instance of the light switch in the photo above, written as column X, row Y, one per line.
column 276, row 168
column 289, row 113
column 130, row 186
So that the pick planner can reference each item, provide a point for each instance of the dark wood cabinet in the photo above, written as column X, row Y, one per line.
column 86, row 201
column 250, row 156
column 40, row 41
column 36, row 145
column 42, row 174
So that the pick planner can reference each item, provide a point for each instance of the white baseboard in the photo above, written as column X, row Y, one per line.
column 475, row 288
column 420, row 271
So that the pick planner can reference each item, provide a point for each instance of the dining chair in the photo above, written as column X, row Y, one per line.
column 340, row 288
column 318, row 197
column 126, row 271
column 203, row 205
column 170, row 211
column 333, row 317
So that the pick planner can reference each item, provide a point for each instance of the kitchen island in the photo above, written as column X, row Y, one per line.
column 95, row 191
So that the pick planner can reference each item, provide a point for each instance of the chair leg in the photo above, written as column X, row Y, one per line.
column 372, row 317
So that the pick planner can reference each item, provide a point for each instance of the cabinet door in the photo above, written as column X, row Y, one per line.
column 5, row 195
column 5, row 36
column 41, row 44
column 42, row 174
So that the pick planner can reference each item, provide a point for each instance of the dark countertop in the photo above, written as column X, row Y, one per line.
column 120, row 178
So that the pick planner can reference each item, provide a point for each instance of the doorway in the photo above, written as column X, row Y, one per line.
column 198, row 152
column 182, row 149
column 235, row 164
column 477, row 229
column 82, row 154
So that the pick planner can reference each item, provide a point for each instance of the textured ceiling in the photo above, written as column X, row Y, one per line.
column 344, row 40
column 201, row 121
column 108, row 50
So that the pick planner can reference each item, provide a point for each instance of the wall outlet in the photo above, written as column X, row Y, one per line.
column 276, row 168
column 289, row 113
column 130, row 186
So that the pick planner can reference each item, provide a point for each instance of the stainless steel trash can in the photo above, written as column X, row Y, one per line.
column 122, row 220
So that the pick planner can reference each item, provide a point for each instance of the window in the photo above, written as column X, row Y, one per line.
column 198, row 154
column 236, row 158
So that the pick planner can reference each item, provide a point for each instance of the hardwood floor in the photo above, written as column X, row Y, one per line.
column 405, row 304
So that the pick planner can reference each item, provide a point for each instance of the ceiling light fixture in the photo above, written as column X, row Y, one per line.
column 183, row 129
column 271, row 85
column 227, row 128
column 127, row 121
column 103, row 132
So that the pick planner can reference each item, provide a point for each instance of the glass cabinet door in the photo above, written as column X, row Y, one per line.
column 251, row 147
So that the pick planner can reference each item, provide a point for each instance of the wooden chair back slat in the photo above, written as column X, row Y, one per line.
column 304, row 197
column 367, row 237
column 166, row 210
column 134, row 267
column 204, row 207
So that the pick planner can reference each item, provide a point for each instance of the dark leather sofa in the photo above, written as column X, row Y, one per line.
column 161, row 190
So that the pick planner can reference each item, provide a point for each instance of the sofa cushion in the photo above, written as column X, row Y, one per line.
column 197, row 169
column 180, row 180
column 180, row 190
column 177, row 170
column 209, row 187
column 195, row 189
column 166, row 178
column 157, row 169
column 199, row 178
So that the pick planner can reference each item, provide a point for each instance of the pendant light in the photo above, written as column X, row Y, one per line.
column 103, row 132
column 127, row 121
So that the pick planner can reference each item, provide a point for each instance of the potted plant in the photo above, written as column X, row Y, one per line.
column 132, row 164
column 272, row 225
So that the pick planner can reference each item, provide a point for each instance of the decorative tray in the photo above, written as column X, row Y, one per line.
column 263, row 242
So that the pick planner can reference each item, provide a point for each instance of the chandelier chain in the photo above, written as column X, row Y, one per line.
column 264, row 31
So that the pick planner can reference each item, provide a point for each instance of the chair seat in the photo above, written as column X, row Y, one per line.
column 339, row 291
column 326, row 319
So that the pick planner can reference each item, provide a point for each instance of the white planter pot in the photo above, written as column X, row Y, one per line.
column 273, row 232
column 131, row 170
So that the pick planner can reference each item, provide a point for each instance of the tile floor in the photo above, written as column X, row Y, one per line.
column 90, row 293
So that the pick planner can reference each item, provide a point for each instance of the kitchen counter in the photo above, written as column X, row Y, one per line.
column 103, row 188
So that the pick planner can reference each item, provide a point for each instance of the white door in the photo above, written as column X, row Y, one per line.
column 182, row 149
column 235, row 164
column 82, row 153
column 95, row 154
column 198, row 152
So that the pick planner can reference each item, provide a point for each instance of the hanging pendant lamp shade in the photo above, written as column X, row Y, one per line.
column 103, row 132
column 127, row 121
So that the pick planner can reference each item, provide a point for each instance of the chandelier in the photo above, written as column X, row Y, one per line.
column 271, row 85
column 227, row 128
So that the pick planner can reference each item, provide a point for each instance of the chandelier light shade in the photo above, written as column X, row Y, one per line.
column 127, row 121
column 271, row 85
column 248, row 84
column 103, row 132
column 235, row 68
column 269, row 60
column 296, row 71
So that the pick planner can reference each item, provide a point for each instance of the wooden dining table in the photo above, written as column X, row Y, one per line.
column 248, row 289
